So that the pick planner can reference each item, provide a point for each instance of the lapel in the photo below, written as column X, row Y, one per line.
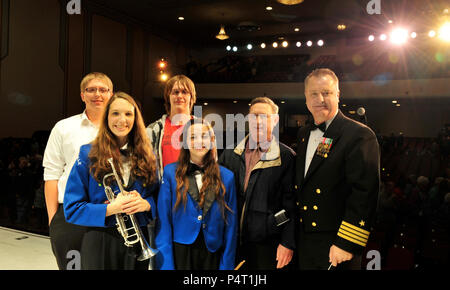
column 195, row 194
column 333, row 132
column 301, row 153
column 193, row 189
column 271, row 158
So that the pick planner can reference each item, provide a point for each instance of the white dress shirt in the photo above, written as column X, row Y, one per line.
column 314, row 139
column 198, row 178
column 63, row 147
column 126, row 166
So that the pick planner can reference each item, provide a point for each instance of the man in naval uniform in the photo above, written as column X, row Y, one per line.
column 337, row 180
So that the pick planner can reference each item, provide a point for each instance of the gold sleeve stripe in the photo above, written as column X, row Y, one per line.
column 351, row 240
column 355, row 228
column 364, row 236
column 363, row 240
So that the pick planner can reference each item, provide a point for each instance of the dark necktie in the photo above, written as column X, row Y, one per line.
column 193, row 168
column 322, row 127
column 125, row 152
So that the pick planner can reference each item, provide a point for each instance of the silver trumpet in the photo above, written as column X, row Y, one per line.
column 133, row 234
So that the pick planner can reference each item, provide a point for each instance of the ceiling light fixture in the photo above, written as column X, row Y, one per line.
column 222, row 35
column 290, row 2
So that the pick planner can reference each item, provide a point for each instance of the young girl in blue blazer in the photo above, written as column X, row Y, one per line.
column 197, row 225
column 123, row 138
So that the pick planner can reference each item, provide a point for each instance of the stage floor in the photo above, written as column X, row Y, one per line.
column 25, row 251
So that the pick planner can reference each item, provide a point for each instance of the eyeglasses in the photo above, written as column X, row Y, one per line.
column 176, row 92
column 92, row 90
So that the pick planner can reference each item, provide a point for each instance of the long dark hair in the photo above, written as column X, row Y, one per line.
column 211, row 178
column 105, row 146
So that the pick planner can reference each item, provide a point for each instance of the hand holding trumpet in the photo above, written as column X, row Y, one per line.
column 128, row 203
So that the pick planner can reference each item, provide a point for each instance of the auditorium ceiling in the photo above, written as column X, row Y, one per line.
column 250, row 19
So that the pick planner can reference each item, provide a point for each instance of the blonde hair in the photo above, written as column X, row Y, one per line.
column 96, row 75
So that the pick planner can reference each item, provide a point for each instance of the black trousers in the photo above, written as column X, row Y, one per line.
column 195, row 256
column 313, row 252
column 64, row 238
column 258, row 255
column 104, row 249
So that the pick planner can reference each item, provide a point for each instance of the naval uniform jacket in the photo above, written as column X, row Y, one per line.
column 184, row 224
column 340, row 190
column 269, row 190
column 84, row 198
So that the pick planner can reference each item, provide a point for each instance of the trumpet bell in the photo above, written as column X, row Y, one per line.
column 147, row 254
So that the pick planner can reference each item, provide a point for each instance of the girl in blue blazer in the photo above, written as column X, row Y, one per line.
column 123, row 138
column 197, row 225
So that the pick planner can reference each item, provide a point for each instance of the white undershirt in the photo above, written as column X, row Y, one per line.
column 198, row 179
column 126, row 167
column 314, row 139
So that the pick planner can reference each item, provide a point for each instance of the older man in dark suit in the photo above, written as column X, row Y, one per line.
column 337, row 180
column 263, row 168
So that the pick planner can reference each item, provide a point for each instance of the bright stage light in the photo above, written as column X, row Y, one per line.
column 413, row 34
column 432, row 33
column 444, row 32
column 263, row 45
column 228, row 48
column 298, row 44
column 285, row 43
column 320, row 42
column 164, row 77
column 383, row 37
column 371, row 38
column 399, row 36
column 309, row 43
column 275, row 45
column 249, row 46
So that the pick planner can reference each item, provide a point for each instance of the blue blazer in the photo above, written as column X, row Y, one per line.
column 184, row 225
column 84, row 198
